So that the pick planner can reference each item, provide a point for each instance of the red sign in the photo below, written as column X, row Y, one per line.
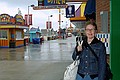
column 48, row 24
column 28, row 19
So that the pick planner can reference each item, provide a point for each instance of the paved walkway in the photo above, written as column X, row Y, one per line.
column 37, row 62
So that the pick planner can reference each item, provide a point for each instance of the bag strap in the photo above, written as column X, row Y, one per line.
column 87, row 45
column 92, row 51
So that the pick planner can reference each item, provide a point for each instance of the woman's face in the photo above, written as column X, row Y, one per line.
column 90, row 31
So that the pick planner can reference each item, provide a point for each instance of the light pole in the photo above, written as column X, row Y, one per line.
column 59, row 22
column 28, row 14
column 28, row 21
column 66, row 28
column 28, row 31
column 49, row 32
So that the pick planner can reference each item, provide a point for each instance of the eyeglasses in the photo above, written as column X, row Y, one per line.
column 89, row 30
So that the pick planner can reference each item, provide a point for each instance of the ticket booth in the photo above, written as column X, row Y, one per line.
column 11, row 31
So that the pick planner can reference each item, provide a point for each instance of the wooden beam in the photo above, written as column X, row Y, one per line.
column 78, row 19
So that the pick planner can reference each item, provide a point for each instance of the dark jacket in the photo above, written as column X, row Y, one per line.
column 88, row 62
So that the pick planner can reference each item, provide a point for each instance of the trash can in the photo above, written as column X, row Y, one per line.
column 12, row 44
column 36, row 40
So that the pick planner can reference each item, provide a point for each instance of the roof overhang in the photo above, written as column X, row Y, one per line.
column 13, row 26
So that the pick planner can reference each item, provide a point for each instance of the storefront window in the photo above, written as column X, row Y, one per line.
column 19, row 35
column 3, row 34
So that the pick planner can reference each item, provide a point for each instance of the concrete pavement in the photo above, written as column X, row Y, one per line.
column 37, row 62
column 32, row 70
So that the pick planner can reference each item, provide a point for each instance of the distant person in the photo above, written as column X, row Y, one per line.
column 82, row 34
column 89, row 67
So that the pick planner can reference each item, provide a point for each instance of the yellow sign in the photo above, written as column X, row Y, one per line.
column 19, row 18
column 54, row 2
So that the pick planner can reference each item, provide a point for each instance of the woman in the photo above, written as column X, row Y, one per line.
column 89, row 67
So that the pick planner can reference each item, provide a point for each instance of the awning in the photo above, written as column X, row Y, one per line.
column 90, row 7
column 79, row 13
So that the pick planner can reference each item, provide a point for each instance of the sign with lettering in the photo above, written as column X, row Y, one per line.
column 49, row 7
column 54, row 2
column 70, row 11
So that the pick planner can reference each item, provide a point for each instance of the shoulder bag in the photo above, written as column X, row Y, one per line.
column 108, row 73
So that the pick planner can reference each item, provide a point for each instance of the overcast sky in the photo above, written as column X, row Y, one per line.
column 39, row 16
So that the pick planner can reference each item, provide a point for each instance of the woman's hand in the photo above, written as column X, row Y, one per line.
column 79, row 47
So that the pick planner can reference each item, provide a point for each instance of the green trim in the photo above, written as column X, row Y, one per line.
column 115, row 38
